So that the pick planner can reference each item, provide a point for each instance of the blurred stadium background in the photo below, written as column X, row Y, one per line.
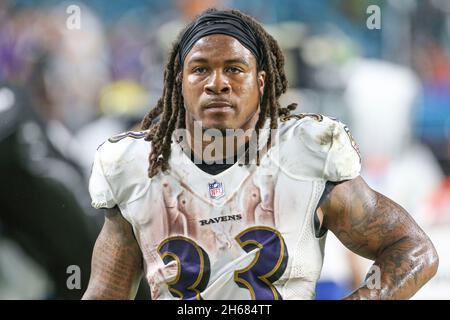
column 63, row 92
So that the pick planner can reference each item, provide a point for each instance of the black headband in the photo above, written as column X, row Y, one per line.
column 220, row 23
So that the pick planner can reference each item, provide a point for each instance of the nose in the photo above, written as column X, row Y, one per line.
column 217, row 84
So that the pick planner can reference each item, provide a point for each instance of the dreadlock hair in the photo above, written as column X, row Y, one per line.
column 169, row 112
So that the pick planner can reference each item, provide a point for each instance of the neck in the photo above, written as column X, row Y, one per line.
column 215, row 145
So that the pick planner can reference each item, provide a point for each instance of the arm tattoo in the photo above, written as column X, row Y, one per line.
column 116, row 261
column 377, row 228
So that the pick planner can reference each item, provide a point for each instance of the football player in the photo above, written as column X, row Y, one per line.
column 205, row 213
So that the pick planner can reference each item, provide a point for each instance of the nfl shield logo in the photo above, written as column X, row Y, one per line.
column 216, row 190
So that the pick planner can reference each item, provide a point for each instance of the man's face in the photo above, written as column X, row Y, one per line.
column 221, row 84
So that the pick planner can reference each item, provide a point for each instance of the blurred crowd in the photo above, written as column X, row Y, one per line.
column 63, row 91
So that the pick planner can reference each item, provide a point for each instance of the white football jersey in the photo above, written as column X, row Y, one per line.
column 246, row 233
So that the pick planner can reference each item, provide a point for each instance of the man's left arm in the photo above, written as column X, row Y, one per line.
column 375, row 227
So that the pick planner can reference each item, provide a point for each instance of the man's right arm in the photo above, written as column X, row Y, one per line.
column 116, row 267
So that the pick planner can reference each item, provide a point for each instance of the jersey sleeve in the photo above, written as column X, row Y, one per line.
column 320, row 148
column 119, row 173
column 99, row 188
column 343, row 161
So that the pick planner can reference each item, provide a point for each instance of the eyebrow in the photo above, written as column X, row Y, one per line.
column 197, row 60
column 228, row 61
column 237, row 60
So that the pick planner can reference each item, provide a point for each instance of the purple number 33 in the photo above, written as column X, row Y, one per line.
column 258, row 277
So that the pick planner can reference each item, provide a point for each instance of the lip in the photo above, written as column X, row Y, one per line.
column 218, row 106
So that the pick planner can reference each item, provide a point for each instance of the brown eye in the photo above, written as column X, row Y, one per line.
column 234, row 70
column 199, row 70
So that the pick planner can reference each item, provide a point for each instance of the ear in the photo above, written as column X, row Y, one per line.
column 261, row 81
